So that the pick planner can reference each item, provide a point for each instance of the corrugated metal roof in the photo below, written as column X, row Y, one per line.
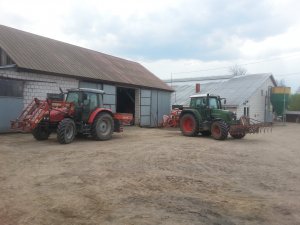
column 34, row 52
column 207, row 78
column 236, row 90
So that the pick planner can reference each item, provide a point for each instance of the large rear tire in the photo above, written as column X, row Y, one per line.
column 219, row 130
column 189, row 126
column 103, row 127
column 41, row 132
column 66, row 131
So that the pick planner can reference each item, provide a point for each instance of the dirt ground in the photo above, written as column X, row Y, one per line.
column 151, row 176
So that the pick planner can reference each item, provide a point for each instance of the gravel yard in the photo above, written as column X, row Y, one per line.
column 151, row 176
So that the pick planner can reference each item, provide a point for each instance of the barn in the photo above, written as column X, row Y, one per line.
column 34, row 66
column 247, row 95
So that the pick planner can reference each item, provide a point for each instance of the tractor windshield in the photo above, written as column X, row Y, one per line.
column 73, row 97
column 198, row 102
column 214, row 103
column 90, row 100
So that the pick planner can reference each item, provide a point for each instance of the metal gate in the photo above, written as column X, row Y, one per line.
column 11, row 102
column 154, row 108
column 154, row 104
column 145, row 108
column 163, row 105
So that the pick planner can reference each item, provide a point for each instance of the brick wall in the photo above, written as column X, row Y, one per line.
column 38, row 85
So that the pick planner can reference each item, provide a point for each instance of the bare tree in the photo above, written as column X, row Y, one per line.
column 237, row 70
column 281, row 83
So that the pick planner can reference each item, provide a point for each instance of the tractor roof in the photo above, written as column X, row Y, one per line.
column 203, row 95
column 87, row 90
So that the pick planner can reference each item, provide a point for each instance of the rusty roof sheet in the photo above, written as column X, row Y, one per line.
column 37, row 53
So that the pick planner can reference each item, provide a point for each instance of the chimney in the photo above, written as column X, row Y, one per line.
column 197, row 88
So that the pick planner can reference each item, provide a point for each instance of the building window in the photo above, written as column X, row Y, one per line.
column 5, row 59
column 262, row 92
column 1, row 57
column 12, row 88
column 8, row 60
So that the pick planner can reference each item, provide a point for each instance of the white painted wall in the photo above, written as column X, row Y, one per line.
column 256, row 102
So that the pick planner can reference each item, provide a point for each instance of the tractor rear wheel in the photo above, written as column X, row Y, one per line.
column 219, row 130
column 41, row 132
column 103, row 127
column 189, row 126
column 66, row 131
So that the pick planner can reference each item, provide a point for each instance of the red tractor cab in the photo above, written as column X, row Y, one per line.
column 81, row 113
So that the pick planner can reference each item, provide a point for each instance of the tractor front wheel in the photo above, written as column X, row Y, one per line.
column 66, row 131
column 219, row 130
column 41, row 132
column 103, row 127
column 189, row 126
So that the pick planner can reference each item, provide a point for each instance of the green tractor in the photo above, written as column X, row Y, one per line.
column 206, row 116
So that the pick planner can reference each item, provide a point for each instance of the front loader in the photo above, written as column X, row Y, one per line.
column 82, row 113
column 206, row 116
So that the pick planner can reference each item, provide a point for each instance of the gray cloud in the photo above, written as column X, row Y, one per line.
column 194, row 29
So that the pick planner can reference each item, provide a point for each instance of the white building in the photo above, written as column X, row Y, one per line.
column 246, row 95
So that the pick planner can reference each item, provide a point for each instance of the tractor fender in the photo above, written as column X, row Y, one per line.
column 193, row 112
column 97, row 111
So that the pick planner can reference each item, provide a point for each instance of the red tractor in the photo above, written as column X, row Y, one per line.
column 82, row 113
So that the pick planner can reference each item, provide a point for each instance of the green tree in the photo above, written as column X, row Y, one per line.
column 294, row 102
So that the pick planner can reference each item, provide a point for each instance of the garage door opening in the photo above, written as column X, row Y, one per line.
column 126, row 101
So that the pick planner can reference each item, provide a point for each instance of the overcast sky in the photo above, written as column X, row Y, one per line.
column 186, row 38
